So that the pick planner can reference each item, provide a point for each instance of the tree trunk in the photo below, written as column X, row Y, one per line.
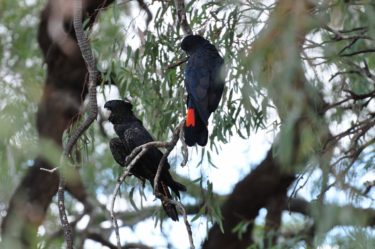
column 64, row 91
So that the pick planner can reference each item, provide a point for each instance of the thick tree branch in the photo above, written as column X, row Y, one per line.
column 64, row 90
column 273, row 220
column 247, row 198
column 89, row 59
column 339, row 215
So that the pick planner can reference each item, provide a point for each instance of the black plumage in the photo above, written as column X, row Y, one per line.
column 131, row 134
column 204, row 83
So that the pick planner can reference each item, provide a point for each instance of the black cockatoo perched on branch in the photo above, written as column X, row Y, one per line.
column 204, row 83
column 131, row 134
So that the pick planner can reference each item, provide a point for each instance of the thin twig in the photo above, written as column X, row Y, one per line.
column 163, row 198
column 363, row 70
column 177, row 63
column 98, row 237
column 364, row 51
column 114, row 195
column 50, row 170
column 130, row 162
column 184, row 149
column 67, row 228
column 170, row 145
column 182, row 210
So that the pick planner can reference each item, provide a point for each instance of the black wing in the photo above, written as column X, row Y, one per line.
column 146, row 167
column 148, row 164
column 197, row 82
column 138, row 136
column 118, row 150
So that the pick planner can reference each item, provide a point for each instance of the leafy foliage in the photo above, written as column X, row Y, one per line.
column 336, row 60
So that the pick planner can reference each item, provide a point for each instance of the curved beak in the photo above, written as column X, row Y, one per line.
column 106, row 105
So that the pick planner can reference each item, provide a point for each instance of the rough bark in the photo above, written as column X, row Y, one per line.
column 273, row 219
column 247, row 198
column 64, row 91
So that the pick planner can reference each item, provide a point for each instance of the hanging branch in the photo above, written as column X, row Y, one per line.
column 129, row 163
column 67, row 228
column 89, row 59
column 181, row 14
column 93, row 111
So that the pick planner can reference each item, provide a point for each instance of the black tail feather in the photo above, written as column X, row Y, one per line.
column 197, row 134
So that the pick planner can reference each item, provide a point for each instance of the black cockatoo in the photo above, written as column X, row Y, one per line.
column 132, row 134
column 204, row 83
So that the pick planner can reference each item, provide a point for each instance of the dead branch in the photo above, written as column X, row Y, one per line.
column 180, row 207
column 122, row 178
column 364, row 51
column 177, row 63
column 68, row 234
column 181, row 15
column 169, row 146
column 99, row 238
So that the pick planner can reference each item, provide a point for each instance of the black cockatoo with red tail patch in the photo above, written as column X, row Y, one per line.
column 131, row 134
column 204, row 83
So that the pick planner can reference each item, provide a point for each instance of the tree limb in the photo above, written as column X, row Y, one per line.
column 244, row 203
column 340, row 215
column 89, row 59
column 181, row 15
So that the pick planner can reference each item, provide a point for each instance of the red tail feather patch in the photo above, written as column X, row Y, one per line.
column 190, row 117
